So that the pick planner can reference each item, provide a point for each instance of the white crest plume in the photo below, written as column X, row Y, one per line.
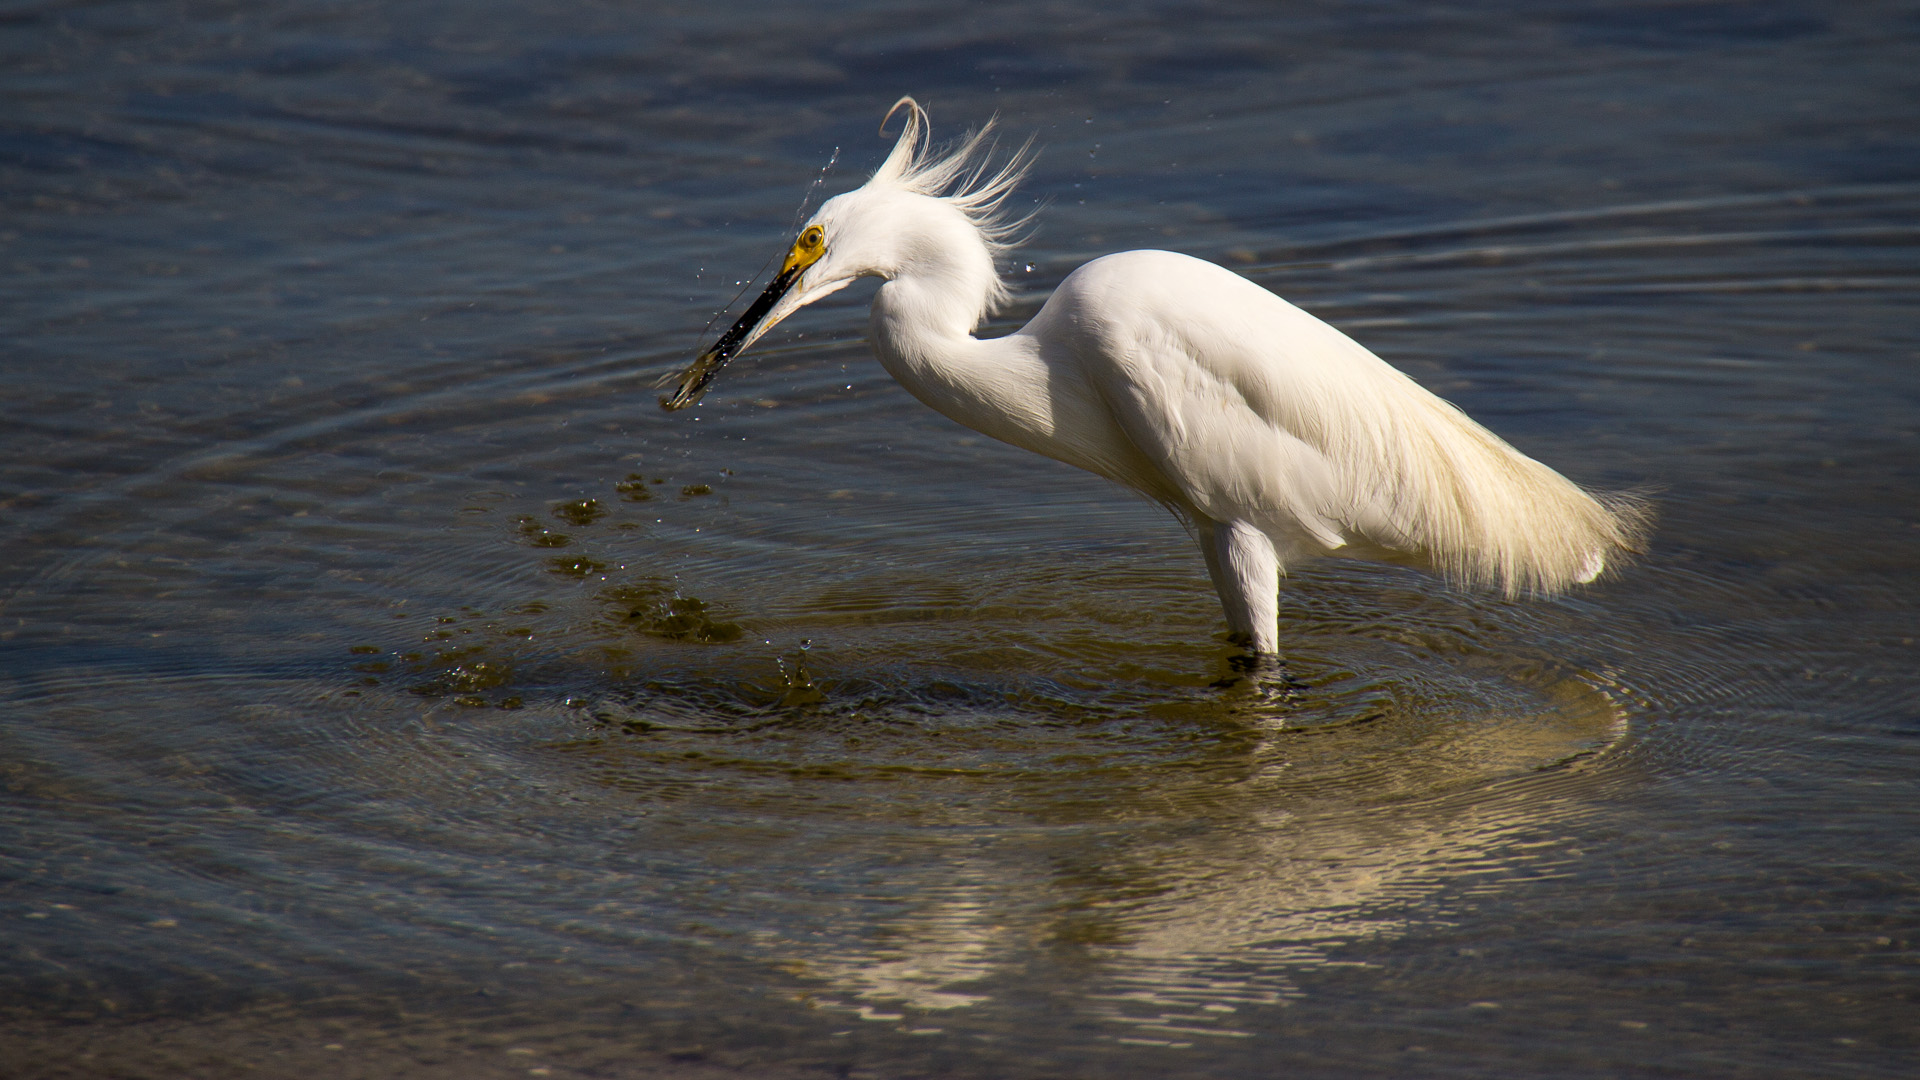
column 961, row 175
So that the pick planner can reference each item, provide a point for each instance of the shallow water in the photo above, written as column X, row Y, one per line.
column 390, row 688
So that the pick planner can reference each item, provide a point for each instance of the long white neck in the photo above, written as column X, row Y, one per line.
column 922, row 331
column 1010, row 388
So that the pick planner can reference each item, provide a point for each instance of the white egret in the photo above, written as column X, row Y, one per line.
column 1273, row 434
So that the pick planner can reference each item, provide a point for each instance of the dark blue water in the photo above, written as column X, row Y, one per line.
column 389, row 688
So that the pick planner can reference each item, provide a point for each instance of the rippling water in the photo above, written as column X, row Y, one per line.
column 390, row 688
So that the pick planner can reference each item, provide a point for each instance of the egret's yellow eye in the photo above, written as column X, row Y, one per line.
column 809, row 249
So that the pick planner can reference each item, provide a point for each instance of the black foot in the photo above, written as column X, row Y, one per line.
column 1265, row 674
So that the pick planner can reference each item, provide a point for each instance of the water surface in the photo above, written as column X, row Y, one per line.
column 390, row 686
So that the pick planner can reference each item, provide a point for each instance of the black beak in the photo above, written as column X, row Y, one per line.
column 693, row 381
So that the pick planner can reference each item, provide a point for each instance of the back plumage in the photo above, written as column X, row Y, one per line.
column 1258, row 411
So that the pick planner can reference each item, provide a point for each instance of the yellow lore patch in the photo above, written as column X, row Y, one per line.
column 806, row 251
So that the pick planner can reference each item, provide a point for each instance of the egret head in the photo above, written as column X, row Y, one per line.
column 915, row 210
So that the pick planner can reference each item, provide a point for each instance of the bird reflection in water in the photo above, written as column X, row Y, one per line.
column 1216, row 884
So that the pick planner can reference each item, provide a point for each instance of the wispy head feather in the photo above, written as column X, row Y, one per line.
column 961, row 175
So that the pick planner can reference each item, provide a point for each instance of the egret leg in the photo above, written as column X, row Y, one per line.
column 1246, row 573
